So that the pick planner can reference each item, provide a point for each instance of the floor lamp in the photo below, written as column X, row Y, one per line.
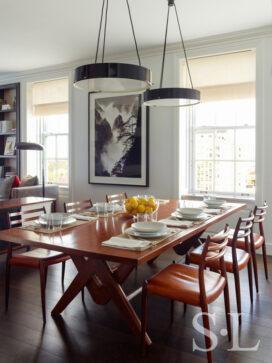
column 37, row 147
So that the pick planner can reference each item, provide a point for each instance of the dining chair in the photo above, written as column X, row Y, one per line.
column 38, row 258
column 116, row 198
column 257, row 241
column 235, row 258
column 192, row 285
column 74, row 207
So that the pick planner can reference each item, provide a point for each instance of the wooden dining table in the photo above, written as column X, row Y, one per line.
column 103, row 280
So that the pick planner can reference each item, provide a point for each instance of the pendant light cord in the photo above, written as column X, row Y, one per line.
column 187, row 64
column 164, row 47
column 133, row 31
column 105, row 29
column 99, row 32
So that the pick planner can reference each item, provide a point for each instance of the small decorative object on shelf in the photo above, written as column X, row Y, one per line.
column 10, row 145
column 6, row 126
column 6, row 107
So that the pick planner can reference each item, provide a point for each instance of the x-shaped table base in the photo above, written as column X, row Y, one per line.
column 103, row 284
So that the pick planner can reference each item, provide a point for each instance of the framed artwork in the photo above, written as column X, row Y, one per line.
column 118, row 139
column 10, row 145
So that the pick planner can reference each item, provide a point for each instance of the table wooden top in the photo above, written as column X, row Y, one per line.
column 19, row 202
column 86, row 239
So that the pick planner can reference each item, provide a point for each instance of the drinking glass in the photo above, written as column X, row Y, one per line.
column 101, row 209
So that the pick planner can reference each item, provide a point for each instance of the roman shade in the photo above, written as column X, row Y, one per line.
column 225, row 76
column 50, row 97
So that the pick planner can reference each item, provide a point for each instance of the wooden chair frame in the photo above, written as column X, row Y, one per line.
column 74, row 207
column 16, row 219
column 218, row 252
column 116, row 198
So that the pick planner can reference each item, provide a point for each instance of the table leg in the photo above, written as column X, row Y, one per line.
column 103, row 285
column 120, row 299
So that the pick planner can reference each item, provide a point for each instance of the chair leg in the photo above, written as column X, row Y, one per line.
column 238, row 293
column 82, row 295
column 206, row 325
column 249, row 271
column 144, row 305
column 227, row 309
column 62, row 272
column 265, row 260
column 42, row 283
column 8, row 275
column 172, row 310
column 255, row 267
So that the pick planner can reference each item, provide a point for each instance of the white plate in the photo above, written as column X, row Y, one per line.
column 162, row 233
column 216, row 206
column 214, row 202
column 189, row 218
column 148, row 227
column 45, row 218
column 190, row 211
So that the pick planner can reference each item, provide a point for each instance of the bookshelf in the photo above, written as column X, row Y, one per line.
column 9, row 128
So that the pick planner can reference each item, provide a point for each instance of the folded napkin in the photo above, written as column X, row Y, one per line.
column 127, row 244
column 212, row 211
column 163, row 201
column 175, row 223
column 83, row 218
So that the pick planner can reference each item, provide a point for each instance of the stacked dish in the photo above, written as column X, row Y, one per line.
column 55, row 219
column 148, row 229
column 214, row 203
column 191, row 214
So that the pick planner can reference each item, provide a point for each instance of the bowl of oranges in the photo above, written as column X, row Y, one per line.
column 141, row 204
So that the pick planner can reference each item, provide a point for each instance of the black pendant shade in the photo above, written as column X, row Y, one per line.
column 112, row 77
column 171, row 97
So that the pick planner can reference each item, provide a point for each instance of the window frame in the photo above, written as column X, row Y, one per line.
column 192, row 160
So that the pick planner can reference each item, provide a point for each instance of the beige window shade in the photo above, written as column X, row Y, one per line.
column 226, row 76
column 50, row 97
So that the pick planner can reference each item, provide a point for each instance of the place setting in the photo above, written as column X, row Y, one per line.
column 51, row 223
column 141, row 235
column 187, row 217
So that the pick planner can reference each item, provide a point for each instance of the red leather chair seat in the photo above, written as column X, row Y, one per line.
column 258, row 241
column 180, row 282
column 242, row 258
column 32, row 258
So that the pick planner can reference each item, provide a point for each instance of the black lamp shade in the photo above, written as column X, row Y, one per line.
column 171, row 97
column 29, row 146
column 112, row 77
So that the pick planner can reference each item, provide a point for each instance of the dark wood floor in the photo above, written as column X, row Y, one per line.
column 93, row 333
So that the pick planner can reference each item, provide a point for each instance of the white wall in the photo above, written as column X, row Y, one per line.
column 164, row 123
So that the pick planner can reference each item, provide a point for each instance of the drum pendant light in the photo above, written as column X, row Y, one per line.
column 112, row 77
column 172, row 97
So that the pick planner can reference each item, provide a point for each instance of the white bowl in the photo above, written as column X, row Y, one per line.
column 148, row 227
column 192, row 212
column 214, row 202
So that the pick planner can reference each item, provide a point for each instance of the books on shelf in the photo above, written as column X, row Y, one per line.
column 6, row 126
column 10, row 145
column 4, row 170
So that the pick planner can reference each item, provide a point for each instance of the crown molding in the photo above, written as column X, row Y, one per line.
column 253, row 34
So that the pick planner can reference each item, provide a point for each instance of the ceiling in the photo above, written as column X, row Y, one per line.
column 36, row 33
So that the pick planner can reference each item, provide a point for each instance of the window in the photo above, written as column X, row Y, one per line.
column 48, row 125
column 223, row 125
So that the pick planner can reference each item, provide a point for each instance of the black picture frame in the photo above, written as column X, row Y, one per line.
column 118, row 139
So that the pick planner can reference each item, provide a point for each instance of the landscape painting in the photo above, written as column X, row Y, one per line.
column 118, row 139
